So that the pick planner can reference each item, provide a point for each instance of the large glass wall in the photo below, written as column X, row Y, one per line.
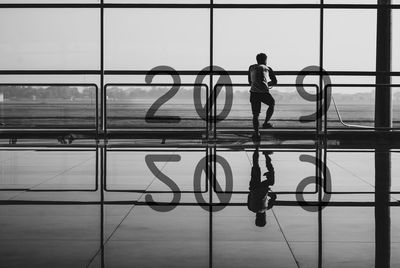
column 111, row 149
column 120, row 41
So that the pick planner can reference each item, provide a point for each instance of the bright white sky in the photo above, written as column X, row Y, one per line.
column 143, row 39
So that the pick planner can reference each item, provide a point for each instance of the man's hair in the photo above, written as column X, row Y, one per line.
column 261, row 58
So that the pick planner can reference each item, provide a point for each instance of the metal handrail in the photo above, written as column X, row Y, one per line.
column 151, row 85
column 96, row 128
column 326, row 87
column 341, row 121
column 318, row 104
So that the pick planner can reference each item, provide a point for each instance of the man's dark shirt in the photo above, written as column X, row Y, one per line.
column 258, row 76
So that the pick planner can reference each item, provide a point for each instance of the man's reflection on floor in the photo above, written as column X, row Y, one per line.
column 260, row 198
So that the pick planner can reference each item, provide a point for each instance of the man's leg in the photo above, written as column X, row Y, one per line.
column 255, row 123
column 270, row 112
column 256, row 157
column 270, row 101
column 271, row 172
column 255, row 171
column 268, row 163
column 255, row 108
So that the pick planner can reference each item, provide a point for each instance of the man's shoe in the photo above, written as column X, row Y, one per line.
column 69, row 138
column 61, row 140
column 267, row 152
column 267, row 125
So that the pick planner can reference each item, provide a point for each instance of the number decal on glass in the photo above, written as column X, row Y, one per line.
column 224, row 81
column 150, row 115
column 313, row 97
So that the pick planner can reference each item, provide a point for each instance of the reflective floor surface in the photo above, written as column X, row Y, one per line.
column 224, row 205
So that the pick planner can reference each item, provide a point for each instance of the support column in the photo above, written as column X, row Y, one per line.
column 383, row 118
column 383, row 94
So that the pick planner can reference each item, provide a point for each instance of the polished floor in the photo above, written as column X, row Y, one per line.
column 151, row 206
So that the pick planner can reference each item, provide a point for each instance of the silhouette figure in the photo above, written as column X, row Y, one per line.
column 258, row 76
column 260, row 199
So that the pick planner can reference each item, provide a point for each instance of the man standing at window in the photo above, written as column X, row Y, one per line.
column 259, row 74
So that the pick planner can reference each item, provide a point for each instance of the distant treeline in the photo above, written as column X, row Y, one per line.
column 126, row 93
column 51, row 92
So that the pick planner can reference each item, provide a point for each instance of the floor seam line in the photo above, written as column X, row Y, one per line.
column 287, row 242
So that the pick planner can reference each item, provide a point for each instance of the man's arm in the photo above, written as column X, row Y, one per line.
column 272, row 76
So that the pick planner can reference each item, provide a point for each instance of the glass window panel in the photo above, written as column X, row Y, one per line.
column 289, row 37
column 49, row 39
column 146, row 38
column 350, row 40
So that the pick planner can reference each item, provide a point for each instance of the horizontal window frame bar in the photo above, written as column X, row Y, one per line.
column 283, row 203
column 50, row 72
column 197, row 6
column 187, row 72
